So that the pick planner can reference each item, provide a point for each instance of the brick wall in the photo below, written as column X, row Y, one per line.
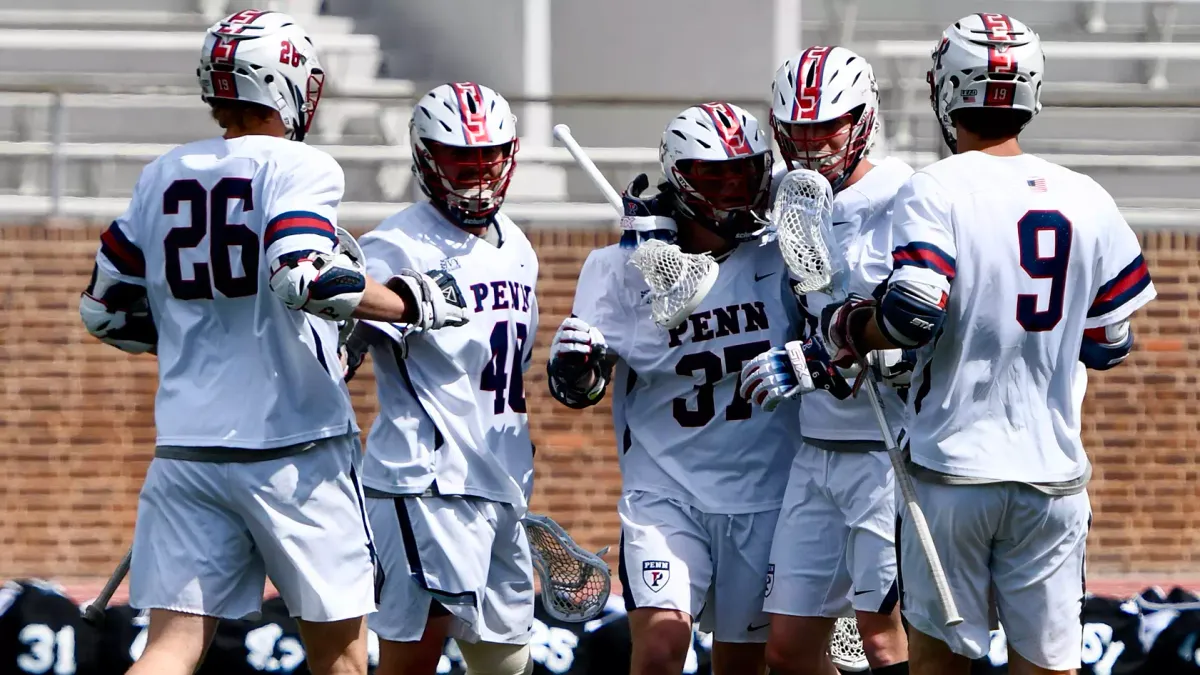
column 77, row 427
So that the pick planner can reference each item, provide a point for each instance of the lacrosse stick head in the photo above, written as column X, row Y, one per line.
column 678, row 281
column 846, row 648
column 802, row 217
column 575, row 583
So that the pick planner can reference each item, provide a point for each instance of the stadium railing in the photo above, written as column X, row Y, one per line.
column 556, row 214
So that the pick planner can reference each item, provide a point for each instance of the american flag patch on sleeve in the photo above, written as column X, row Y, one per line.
column 1036, row 184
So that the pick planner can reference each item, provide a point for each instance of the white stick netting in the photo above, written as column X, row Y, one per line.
column 678, row 281
column 802, row 217
column 575, row 583
column 846, row 648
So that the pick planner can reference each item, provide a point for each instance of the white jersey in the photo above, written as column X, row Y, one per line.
column 862, row 223
column 236, row 367
column 453, row 411
column 1030, row 255
column 682, row 429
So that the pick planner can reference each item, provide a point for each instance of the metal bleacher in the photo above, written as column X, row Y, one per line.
column 1122, row 86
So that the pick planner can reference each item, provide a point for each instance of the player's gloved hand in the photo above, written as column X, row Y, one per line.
column 841, row 324
column 639, row 223
column 576, row 348
column 328, row 285
column 578, row 368
column 130, row 328
column 435, row 297
column 796, row 369
column 894, row 367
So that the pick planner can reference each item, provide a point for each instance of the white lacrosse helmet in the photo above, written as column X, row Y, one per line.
column 986, row 61
column 814, row 88
column 464, row 146
column 717, row 160
column 263, row 57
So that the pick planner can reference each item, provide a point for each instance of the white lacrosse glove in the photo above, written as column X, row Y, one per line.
column 797, row 369
column 639, row 229
column 328, row 285
column 435, row 295
column 894, row 366
column 577, row 353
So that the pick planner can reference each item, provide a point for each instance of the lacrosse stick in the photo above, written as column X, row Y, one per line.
column 846, row 647
column 575, row 583
column 678, row 281
column 802, row 216
column 94, row 613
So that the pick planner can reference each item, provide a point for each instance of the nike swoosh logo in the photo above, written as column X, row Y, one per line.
column 752, row 627
column 862, row 592
column 841, row 222
column 758, row 278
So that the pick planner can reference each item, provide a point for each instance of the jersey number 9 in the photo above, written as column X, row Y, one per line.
column 1045, row 243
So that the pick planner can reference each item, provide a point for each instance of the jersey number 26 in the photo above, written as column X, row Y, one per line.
column 208, row 216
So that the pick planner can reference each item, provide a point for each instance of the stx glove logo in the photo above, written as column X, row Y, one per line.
column 656, row 573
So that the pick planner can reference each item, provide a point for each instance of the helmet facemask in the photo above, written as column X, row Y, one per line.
column 832, row 148
column 728, row 196
column 469, row 182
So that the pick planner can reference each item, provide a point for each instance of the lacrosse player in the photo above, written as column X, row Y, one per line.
column 703, row 474
column 227, row 265
column 834, row 549
column 449, row 464
column 1011, row 276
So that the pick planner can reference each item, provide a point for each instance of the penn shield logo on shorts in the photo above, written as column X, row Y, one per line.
column 770, row 581
column 656, row 573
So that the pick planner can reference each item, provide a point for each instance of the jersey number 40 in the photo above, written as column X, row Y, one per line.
column 503, row 373
column 208, row 216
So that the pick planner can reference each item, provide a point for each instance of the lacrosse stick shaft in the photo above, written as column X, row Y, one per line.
column 563, row 133
column 95, row 611
column 945, row 597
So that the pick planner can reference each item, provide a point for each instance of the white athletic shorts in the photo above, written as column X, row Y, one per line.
column 1009, row 544
column 710, row 566
column 469, row 554
column 209, row 534
column 835, row 546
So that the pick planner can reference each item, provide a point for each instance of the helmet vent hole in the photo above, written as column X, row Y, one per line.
column 706, row 145
column 242, row 71
column 471, row 105
column 426, row 111
column 679, row 134
column 791, row 80
column 446, row 126
column 835, row 74
column 269, row 79
column 811, row 77
column 856, row 76
column 850, row 60
column 724, row 120
column 835, row 98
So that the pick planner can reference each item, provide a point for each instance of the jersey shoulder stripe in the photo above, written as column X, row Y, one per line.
column 298, row 222
column 921, row 254
column 122, row 253
column 1128, row 283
